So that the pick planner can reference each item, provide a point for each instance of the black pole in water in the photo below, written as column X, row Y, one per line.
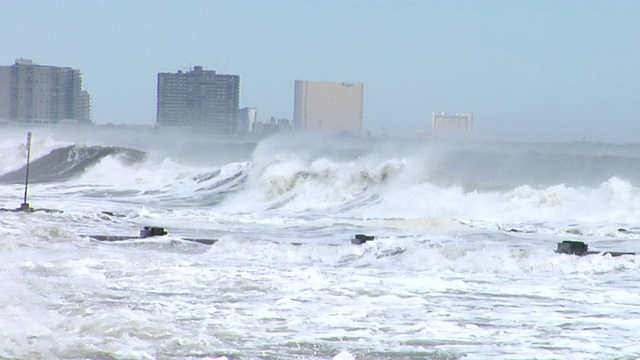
column 25, row 206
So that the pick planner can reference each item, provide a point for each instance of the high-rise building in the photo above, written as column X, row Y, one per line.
column 84, row 107
column 328, row 107
column 246, row 119
column 33, row 93
column 200, row 99
column 5, row 93
column 443, row 124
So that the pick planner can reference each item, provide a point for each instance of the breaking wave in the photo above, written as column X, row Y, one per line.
column 69, row 162
column 483, row 185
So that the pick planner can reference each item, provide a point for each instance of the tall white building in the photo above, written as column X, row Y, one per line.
column 443, row 124
column 328, row 107
column 84, row 107
column 246, row 119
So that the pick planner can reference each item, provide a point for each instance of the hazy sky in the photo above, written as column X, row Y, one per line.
column 529, row 70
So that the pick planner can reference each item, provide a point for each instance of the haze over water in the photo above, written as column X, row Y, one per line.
column 463, row 264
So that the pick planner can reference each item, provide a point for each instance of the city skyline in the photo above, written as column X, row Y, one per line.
column 536, row 71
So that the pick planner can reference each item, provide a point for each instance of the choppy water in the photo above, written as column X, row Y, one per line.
column 463, row 265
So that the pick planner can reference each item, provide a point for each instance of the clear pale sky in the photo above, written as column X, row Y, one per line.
column 529, row 70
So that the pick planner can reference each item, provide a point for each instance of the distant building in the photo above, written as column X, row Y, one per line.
column 84, row 107
column 329, row 107
column 31, row 93
column 5, row 92
column 247, row 119
column 200, row 99
column 445, row 125
column 273, row 126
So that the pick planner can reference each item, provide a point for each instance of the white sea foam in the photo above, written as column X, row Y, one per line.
column 462, row 265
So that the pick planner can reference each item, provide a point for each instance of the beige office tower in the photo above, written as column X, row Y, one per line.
column 328, row 107
column 458, row 125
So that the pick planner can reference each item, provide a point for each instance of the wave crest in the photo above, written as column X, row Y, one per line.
column 69, row 162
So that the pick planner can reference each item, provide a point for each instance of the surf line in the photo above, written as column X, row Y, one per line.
column 565, row 247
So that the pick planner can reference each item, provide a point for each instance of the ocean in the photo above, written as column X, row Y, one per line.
column 463, row 265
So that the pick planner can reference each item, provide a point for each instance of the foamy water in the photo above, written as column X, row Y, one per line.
column 463, row 265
